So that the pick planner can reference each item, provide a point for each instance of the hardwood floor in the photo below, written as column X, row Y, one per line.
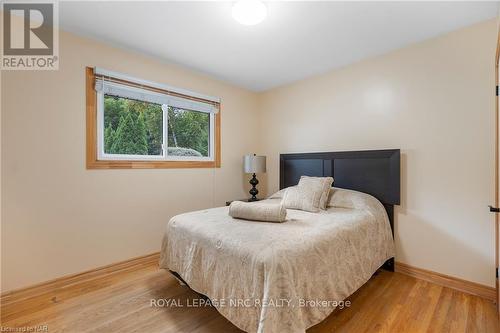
column 120, row 302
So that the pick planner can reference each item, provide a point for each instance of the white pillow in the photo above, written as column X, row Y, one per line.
column 266, row 211
column 295, row 198
column 324, row 182
column 342, row 198
column 311, row 194
column 280, row 194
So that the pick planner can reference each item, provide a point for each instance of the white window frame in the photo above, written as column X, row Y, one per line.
column 102, row 156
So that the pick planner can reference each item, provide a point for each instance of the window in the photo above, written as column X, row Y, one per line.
column 132, row 124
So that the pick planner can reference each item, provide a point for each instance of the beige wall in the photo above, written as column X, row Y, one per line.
column 435, row 101
column 59, row 218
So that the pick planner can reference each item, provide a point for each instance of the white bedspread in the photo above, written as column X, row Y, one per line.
column 260, row 275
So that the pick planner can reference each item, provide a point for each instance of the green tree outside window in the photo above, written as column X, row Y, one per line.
column 136, row 128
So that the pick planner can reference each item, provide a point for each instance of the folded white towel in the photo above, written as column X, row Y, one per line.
column 258, row 211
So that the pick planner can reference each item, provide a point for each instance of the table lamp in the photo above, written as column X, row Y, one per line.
column 254, row 164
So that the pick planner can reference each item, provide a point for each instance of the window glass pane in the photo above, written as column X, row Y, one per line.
column 132, row 127
column 188, row 133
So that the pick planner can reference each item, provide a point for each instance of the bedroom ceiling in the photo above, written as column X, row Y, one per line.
column 295, row 41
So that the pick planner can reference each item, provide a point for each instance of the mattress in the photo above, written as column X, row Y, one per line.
column 286, row 277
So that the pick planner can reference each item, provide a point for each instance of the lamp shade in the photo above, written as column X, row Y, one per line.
column 254, row 164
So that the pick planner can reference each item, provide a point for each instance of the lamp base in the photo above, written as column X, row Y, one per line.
column 253, row 191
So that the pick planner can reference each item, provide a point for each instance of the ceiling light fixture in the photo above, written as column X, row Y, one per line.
column 249, row 12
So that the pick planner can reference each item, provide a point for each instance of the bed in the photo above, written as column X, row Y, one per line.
column 287, row 277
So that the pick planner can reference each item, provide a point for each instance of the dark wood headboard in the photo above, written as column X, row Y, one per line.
column 376, row 172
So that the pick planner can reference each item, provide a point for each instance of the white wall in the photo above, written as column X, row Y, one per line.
column 59, row 218
column 435, row 101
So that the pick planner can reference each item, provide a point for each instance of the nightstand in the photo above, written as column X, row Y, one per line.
column 245, row 200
